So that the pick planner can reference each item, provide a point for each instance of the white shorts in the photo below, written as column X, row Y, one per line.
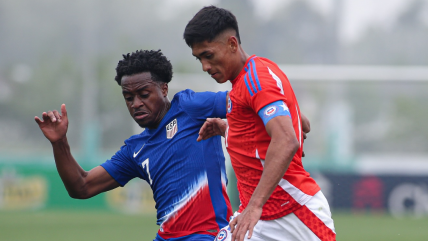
column 310, row 222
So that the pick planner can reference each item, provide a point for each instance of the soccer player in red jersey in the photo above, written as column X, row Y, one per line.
column 279, row 199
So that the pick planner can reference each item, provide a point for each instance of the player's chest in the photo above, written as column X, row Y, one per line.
column 238, row 111
column 161, row 152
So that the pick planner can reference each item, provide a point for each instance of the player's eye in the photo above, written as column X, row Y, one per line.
column 128, row 98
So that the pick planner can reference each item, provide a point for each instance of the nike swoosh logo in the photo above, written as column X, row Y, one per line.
column 135, row 154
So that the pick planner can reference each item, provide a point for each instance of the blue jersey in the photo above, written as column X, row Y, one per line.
column 188, row 178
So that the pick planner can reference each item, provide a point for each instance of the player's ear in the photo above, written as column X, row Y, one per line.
column 232, row 42
column 164, row 88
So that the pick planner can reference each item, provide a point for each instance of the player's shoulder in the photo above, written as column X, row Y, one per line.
column 191, row 98
column 184, row 93
column 264, row 64
column 258, row 68
column 268, row 68
column 182, row 96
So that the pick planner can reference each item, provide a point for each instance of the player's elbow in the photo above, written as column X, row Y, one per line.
column 76, row 195
column 79, row 196
column 81, row 193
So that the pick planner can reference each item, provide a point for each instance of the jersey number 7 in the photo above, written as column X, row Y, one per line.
column 145, row 164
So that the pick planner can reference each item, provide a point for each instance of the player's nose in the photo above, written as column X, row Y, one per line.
column 137, row 103
column 205, row 66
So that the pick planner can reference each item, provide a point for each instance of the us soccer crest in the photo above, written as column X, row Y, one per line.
column 171, row 129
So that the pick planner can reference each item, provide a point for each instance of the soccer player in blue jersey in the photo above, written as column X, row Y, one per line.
column 187, row 177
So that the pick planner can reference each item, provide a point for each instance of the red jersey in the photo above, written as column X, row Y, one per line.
column 260, row 83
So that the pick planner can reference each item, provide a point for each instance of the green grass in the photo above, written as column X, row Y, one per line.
column 105, row 226
column 76, row 225
column 380, row 227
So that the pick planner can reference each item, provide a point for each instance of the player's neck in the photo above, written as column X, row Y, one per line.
column 162, row 114
column 243, row 57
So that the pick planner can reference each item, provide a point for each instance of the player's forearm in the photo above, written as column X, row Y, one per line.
column 278, row 157
column 72, row 175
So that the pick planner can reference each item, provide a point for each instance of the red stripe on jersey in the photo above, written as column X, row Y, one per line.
column 182, row 218
column 317, row 226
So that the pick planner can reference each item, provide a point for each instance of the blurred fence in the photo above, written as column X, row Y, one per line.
column 368, row 145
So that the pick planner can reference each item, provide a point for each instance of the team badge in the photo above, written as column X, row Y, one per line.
column 171, row 129
column 229, row 105
column 270, row 111
column 221, row 236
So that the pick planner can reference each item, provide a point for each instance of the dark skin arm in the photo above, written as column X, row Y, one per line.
column 79, row 183
column 216, row 126
column 282, row 133
column 281, row 150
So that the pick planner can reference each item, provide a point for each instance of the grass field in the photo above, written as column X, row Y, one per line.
column 105, row 226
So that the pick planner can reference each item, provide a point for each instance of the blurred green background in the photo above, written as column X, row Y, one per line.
column 359, row 69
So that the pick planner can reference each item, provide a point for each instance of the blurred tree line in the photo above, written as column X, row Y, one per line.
column 50, row 48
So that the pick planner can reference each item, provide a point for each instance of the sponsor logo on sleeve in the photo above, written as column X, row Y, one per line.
column 171, row 129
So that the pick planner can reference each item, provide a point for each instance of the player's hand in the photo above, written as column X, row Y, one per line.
column 306, row 128
column 54, row 125
column 304, row 137
column 212, row 127
column 245, row 222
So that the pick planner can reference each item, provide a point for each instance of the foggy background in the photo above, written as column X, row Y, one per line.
column 359, row 69
column 55, row 52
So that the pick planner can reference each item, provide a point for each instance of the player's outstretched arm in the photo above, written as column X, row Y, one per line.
column 212, row 127
column 79, row 183
column 281, row 150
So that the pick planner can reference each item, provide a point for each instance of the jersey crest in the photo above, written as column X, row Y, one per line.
column 221, row 236
column 229, row 105
column 171, row 129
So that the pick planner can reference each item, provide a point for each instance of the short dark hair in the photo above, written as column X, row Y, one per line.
column 208, row 23
column 145, row 60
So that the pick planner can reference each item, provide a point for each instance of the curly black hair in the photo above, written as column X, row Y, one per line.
column 208, row 23
column 145, row 60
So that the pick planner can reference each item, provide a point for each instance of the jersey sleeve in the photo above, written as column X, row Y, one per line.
column 203, row 105
column 263, row 86
column 120, row 167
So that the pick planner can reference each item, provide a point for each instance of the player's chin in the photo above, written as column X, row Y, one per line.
column 220, row 79
column 142, row 123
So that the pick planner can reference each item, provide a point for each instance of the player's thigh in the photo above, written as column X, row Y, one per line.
column 311, row 222
column 287, row 228
column 319, row 206
column 314, row 219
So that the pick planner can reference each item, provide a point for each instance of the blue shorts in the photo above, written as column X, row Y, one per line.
column 192, row 237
